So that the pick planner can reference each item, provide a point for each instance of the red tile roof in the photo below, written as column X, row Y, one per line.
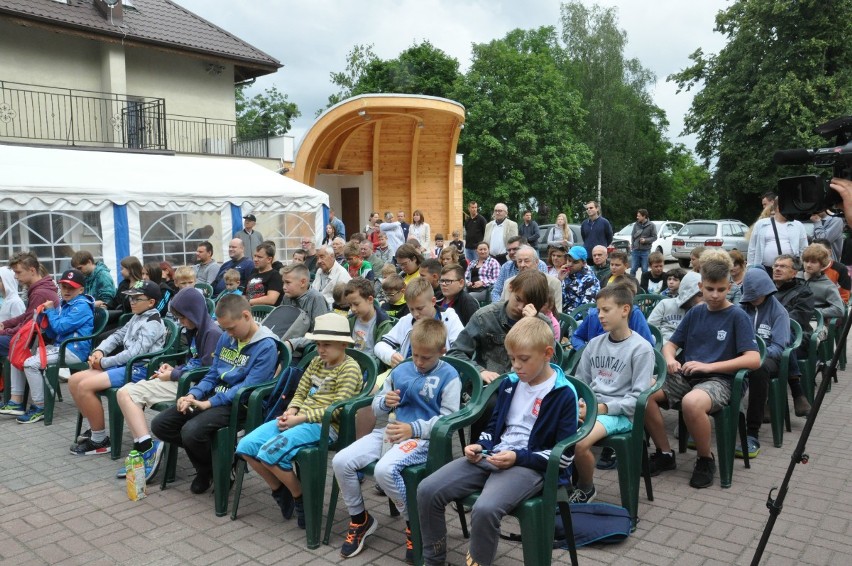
column 158, row 22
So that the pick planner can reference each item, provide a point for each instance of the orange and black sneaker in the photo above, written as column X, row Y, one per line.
column 354, row 542
column 409, row 547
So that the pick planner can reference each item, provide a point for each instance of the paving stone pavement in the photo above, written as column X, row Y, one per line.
column 64, row 509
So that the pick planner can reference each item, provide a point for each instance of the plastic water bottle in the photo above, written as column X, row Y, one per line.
column 386, row 442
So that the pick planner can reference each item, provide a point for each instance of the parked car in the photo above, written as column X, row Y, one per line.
column 726, row 234
column 543, row 229
column 666, row 230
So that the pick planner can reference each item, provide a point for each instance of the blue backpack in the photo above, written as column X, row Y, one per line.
column 282, row 394
column 594, row 522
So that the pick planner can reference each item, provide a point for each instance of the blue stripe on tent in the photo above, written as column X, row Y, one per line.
column 324, row 220
column 122, row 234
column 236, row 219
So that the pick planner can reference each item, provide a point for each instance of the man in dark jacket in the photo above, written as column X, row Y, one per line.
column 798, row 299
column 644, row 234
column 529, row 229
column 596, row 230
column 474, row 231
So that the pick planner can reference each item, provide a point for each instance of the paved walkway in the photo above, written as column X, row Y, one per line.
column 63, row 509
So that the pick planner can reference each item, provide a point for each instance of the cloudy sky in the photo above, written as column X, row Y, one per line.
column 312, row 37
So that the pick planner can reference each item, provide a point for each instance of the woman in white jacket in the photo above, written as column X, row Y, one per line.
column 763, row 246
column 419, row 229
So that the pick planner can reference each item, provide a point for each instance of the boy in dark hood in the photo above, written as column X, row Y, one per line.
column 772, row 323
column 202, row 333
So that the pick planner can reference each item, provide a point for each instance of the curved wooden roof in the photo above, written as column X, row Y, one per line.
column 408, row 142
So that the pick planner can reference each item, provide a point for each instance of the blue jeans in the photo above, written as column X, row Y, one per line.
column 639, row 258
column 470, row 255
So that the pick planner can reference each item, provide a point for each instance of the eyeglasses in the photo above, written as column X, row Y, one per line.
column 448, row 281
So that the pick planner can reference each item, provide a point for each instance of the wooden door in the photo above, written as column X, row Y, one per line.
column 349, row 213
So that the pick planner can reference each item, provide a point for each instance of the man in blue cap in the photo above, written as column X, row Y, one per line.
column 579, row 284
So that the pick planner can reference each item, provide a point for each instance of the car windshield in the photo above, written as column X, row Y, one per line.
column 626, row 231
column 698, row 229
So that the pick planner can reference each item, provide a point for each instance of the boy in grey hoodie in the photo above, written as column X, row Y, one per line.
column 771, row 321
column 668, row 313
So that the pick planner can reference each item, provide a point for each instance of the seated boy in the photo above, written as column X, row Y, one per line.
column 717, row 340
column 654, row 280
column 142, row 334
column 330, row 377
column 592, row 326
column 618, row 367
column 367, row 324
column 673, row 279
column 232, row 283
column 356, row 265
column 455, row 294
column 395, row 346
column 668, row 313
column 417, row 392
column 339, row 305
column 619, row 265
column 246, row 354
column 202, row 334
column 74, row 316
column 185, row 277
column 299, row 256
column 298, row 293
column 535, row 409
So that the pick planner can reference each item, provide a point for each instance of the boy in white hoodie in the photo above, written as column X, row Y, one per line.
column 668, row 313
column 12, row 304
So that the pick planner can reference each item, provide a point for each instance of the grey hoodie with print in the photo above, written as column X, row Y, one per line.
column 668, row 313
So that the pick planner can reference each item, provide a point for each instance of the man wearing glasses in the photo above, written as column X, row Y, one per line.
column 310, row 250
column 499, row 231
column 511, row 268
column 596, row 230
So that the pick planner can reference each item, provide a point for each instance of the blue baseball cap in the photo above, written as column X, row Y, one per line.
column 578, row 252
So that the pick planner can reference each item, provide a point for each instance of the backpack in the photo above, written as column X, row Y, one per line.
column 287, row 322
column 281, row 395
column 28, row 336
column 594, row 522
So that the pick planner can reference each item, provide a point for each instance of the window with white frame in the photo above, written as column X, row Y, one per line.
column 174, row 236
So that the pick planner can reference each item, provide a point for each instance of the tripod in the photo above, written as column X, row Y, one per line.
column 829, row 373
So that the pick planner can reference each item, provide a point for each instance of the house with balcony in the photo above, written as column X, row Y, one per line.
column 143, row 77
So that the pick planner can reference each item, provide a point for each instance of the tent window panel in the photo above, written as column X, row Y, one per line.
column 52, row 236
column 174, row 236
column 286, row 230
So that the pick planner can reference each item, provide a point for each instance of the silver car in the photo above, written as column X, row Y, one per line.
column 666, row 231
column 725, row 234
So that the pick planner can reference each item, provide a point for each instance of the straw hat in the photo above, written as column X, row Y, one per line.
column 331, row 327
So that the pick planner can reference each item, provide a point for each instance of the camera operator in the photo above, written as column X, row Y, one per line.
column 844, row 189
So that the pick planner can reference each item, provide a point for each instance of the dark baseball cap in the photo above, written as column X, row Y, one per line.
column 147, row 288
column 73, row 277
column 250, row 217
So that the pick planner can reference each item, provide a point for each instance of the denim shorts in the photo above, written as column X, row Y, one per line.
column 116, row 375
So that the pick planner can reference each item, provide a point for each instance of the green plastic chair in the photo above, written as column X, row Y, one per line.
column 646, row 302
column 572, row 358
column 205, row 288
column 50, row 375
column 728, row 420
column 809, row 368
column 567, row 326
column 779, row 410
column 630, row 447
column 580, row 312
column 536, row 514
column 116, row 417
column 211, row 307
column 440, row 450
column 259, row 312
column 310, row 460
column 658, row 337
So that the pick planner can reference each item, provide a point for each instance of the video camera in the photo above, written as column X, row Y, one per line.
column 801, row 197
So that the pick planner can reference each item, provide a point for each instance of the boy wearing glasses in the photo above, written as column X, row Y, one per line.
column 456, row 296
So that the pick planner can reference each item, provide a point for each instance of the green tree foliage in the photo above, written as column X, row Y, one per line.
column 269, row 113
column 420, row 69
column 357, row 61
column 692, row 195
column 623, row 128
column 785, row 68
column 520, row 141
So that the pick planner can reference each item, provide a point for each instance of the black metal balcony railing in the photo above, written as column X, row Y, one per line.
column 85, row 118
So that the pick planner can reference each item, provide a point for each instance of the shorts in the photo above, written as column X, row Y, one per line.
column 151, row 391
column 615, row 424
column 278, row 448
column 717, row 387
column 116, row 375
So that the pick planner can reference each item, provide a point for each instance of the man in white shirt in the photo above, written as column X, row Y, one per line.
column 498, row 232
column 329, row 274
column 393, row 231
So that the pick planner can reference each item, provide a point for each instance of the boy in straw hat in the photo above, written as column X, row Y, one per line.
column 330, row 377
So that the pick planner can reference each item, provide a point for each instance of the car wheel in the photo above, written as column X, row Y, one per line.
column 684, row 263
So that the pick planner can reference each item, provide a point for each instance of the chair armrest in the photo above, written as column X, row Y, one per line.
column 244, row 391
column 551, row 476
column 351, row 406
column 148, row 357
column 254, row 416
column 190, row 378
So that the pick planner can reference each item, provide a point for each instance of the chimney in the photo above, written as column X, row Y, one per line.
column 111, row 10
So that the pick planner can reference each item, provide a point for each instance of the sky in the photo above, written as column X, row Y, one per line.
column 311, row 38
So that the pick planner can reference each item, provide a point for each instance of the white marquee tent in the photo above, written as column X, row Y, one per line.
column 155, row 207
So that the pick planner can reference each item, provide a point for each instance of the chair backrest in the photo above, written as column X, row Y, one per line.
column 259, row 312
column 646, row 302
column 172, row 342
column 101, row 320
column 369, row 368
column 580, row 312
column 571, row 359
column 658, row 337
column 205, row 288
column 567, row 325
column 470, row 379
column 211, row 306
column 558, row 354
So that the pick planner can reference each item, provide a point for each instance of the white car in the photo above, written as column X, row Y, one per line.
column 666, row 231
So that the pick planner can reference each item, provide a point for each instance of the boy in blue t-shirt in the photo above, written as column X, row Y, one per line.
column 536, row 408
column 717, row 340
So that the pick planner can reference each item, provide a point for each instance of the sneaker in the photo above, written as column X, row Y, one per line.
column 33, row 415
column 201, row 483
column 284, row 499
column 12, row 408
column 354, row 542
column 800, row 406
column 753, row 448
column 91, row 448
column 299, row 507
column 703, row 473
column 121, row 473
column 151, row 457
column 580, row 496
column 661, row 462
column 86, row 435
column 409, row 547
column 607, row 461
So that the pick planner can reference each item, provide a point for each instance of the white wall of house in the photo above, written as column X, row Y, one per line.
column 331, row 185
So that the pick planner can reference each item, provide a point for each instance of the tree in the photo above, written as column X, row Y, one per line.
column 357, row 61
column 786, row 67
column 420, row 69
column 623, row 128
column 692, row 195
column 520, row 140
column 266, row 114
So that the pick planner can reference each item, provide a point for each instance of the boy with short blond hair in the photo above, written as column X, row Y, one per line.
column 536, row 408
column 617, row 366
column 418, row 392
column 232, row 281
column 298, row 293
column 716, row 340
column 184, row 277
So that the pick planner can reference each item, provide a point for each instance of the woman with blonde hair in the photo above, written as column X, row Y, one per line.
column 560, row 234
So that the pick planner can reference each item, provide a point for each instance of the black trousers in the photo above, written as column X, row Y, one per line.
column 758, row 394
column 192, row 431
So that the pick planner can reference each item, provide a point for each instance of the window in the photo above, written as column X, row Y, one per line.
column 174, row 236
column 286, row 230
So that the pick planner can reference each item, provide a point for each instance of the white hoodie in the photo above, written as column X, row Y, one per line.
column 12, row 303
column 668, row 313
